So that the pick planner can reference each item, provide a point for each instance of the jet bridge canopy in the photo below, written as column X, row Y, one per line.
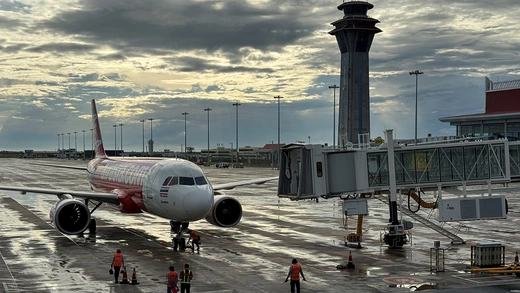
column 307, row 171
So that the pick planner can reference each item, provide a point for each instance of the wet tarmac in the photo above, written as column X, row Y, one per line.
column 254, row 256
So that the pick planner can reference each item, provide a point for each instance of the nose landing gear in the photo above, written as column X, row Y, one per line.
column 178, row 242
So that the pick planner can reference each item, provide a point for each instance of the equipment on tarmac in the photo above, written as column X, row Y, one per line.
column 134, row 279
column 125, row 277
column 350, row 264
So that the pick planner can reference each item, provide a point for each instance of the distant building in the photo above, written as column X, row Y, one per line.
column 501, row 117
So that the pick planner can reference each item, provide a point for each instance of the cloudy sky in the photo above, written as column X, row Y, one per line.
column 160, row 58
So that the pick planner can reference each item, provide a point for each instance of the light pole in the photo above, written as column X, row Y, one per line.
column 151, row 135
column 142, row 121
column 278, row 152
column 185, row 114
column 334, row 115
column 83, row 143
column 92, row 141
column 207, row 110
column 115, row 139
column 75, row 142
column 272, row 157
column 121, row 127
column 236, row 105
column 58, row 142
column 416, row 73
column 69, row 139
column 231, row 149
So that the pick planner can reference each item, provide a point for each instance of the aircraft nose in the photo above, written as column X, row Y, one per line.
column 197, row 203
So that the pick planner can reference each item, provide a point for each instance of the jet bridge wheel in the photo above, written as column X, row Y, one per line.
column 395, row 241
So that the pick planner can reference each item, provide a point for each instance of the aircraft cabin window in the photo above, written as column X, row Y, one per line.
column 174, row 181
column 200, row 180
column 186, row 181
column 167, row 181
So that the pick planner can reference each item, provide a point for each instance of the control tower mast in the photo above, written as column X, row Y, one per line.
column 354, row 33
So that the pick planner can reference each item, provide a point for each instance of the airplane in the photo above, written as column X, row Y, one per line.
column 171, row 188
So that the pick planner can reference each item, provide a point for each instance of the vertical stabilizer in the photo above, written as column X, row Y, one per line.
column 98, row 141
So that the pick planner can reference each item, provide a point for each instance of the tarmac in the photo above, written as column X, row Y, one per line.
column 254, row 256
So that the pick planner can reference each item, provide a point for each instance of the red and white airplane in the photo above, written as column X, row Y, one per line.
column 174, row 189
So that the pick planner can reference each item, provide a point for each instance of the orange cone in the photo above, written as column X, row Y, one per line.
column 134, row 278
column 125, row 277
column 350, row 264
column 516, row 258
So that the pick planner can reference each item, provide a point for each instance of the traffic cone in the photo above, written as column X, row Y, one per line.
column 516, row 258
column 134, row 278
column 350, row 264
column 125, row 277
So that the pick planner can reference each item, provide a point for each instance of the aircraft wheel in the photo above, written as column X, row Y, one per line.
column 175, row 244
column 182, row 245
column 92, row 227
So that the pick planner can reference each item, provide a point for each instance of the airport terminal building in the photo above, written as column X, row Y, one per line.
column 501, row 118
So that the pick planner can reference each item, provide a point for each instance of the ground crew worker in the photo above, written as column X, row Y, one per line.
column 195, row 239
column 294, row 272
column 117, row 263
column 171, row 281
column 186, row 275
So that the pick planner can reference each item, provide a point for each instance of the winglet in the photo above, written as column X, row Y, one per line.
column 98, row 145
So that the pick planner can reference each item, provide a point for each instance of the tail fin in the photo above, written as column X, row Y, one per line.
column 98, row 145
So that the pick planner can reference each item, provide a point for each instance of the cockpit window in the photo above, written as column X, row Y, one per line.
column 174, row 181
column 186, row 181
column 200, row 180
column 167, row 181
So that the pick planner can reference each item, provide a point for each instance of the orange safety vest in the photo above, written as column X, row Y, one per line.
column 118, row 260
column 172, row 275
column 194, row 235
column 295, row 275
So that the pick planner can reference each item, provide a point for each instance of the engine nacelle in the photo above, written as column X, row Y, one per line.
column 226, row 211
column 70, row 216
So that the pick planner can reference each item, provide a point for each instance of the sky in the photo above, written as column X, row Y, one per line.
column 161, row 58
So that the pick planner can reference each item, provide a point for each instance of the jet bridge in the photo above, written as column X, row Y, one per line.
column 310, row 171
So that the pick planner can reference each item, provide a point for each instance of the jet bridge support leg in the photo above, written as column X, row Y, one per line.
column 394, row 236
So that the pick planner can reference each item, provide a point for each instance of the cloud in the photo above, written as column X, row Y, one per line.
column 180, row 25
column 159, row 58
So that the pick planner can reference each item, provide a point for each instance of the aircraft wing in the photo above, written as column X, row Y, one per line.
column 63, row 166
column 98, row 196
column 242, row 183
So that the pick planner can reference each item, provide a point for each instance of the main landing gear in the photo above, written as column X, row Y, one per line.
column 178, row 242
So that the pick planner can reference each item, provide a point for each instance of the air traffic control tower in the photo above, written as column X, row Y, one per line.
column 354, row 33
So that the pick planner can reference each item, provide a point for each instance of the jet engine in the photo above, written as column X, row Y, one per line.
column 226, row 211
column 70, row 216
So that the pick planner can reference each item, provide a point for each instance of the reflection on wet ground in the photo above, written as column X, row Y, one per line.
column 254, row 256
